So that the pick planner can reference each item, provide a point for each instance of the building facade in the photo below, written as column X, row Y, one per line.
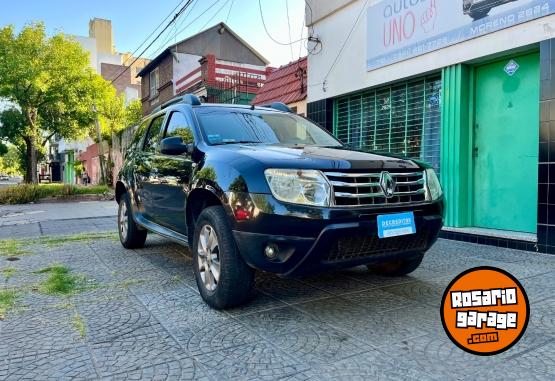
column 122, row 69
column 466, row 86
column 216, row 65
column 286, row 84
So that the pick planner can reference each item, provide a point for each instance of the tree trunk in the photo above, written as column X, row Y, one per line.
column 31, row 149
column 30, row 161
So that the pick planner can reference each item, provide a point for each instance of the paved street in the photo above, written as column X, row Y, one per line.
column 139, row 315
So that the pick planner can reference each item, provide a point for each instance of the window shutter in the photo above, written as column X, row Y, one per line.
column 402, row 119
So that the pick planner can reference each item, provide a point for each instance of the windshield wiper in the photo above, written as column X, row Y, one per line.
column 237, row 142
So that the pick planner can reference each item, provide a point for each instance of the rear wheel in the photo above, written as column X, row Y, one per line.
column 224, row 280
column 397, row 268
column 130, row 235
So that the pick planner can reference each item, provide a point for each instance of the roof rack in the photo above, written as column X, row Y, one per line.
column 189, row 99
column 280, row 106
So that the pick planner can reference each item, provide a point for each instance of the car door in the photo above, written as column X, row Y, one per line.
column 174, row 173
column 146, row 171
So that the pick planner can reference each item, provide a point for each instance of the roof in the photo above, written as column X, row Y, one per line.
column 218, row 26
column 284, row 84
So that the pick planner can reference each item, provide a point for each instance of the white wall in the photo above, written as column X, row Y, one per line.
column 350, row 73
column 114, row 59
column 89, row 44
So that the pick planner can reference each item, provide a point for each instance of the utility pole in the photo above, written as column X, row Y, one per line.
column 100, row 146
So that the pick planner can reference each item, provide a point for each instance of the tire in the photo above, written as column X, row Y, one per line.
column 224, row 280
column 479, row 13
column 397, row 268
column 130, row 235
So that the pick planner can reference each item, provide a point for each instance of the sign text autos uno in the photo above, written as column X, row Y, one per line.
column 402, row 29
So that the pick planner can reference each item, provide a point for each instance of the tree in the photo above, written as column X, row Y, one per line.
column 12, row 129
column 10, row 163
column 50, row 81
column 114, row 117
column 134, row 113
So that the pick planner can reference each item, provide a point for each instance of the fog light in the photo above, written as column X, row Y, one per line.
column 271, row 251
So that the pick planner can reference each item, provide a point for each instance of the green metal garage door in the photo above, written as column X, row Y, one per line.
column 403, row 119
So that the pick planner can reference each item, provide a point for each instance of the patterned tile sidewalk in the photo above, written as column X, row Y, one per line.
column 144, row 319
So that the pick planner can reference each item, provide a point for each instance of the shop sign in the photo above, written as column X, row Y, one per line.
column 403, row 29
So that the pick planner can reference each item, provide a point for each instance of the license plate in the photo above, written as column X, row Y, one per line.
column 395, row 225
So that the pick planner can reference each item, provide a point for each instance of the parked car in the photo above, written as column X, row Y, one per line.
column 478, row 9
column 260, row 188
column 4, row 177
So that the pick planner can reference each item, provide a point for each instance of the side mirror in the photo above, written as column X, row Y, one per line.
column 173, row 146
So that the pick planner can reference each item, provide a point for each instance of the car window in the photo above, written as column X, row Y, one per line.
column 139, row 134
column 222, row 126
column 179, row 126
column 153, row 137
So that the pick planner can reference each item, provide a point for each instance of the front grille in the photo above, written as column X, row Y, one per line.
column 356, row 247
column 363, row 189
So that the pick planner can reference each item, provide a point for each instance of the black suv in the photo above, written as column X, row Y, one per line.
column 261, row 188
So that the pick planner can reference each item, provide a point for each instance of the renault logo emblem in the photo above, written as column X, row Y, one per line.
column 387, row 184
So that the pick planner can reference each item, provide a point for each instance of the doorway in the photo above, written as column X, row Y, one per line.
column 505, row 148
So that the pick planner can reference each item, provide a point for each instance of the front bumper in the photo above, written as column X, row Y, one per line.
column 310, row 240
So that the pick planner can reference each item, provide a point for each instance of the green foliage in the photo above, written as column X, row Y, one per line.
column 7, row 302
column 10, row 162
column 78, row 167
column 26, row 193
column 53, row 86
column 79, row 324
column 11, row 248
column 9, row 272
column 60, row 281
column 134, row 113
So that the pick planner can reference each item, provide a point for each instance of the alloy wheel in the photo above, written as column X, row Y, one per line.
column 209, row 258
column 123, row 220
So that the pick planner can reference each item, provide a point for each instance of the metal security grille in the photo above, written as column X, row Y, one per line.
column 403, row 119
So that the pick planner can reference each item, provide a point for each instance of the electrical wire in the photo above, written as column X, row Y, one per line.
column 289, row 29
column 162, row 46
column 214, row 16
column 268, row 33
column 186, row 26
column 157, row 37
column 344, row 43
column 154, row 31
column 228, row 13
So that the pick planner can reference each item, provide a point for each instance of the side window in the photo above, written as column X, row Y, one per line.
column 153, row 137
column 139, row 134
column 179, row 126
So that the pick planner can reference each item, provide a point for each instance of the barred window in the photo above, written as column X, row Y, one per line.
column 403, row 119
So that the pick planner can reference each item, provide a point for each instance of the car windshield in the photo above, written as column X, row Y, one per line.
column 224, row 126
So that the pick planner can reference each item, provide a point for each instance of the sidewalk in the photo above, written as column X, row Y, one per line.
column 34, row 220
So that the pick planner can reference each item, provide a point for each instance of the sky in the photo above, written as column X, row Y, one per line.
column 134, row 20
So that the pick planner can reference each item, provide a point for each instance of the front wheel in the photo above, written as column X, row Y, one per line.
column 224, row 280
column 397, row 268
column 130, row 235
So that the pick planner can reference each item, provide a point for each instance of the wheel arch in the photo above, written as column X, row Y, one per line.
column 198, row 200
column 121, row 189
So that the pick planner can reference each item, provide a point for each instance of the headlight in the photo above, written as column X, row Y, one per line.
column 299, row 186
column 434, row 187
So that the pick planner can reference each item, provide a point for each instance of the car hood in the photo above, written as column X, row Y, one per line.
column 323, row 158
